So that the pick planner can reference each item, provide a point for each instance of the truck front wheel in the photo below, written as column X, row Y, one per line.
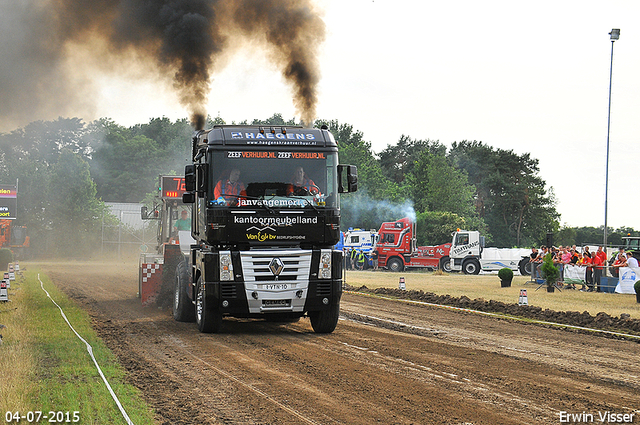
column 471, row 267
column 208, row 318
column 183, row 310
column 445, row 264
column 525, row 267
column 325, row 321
column 395, row 265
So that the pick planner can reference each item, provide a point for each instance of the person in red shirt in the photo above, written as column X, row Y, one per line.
column 598, row 262
column 229, row 189
column 301, row 184
column 603, row 255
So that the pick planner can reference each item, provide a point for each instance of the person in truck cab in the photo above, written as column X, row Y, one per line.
column 229, row 188
column 183, row 223
column 301, row 184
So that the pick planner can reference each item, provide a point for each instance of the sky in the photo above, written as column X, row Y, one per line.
column 532, row 77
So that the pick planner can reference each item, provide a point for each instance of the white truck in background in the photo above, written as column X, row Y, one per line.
column 469, row 255
column 360, row 239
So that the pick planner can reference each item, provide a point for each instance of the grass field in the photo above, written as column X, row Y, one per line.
column 45, row 367
column 487, row 286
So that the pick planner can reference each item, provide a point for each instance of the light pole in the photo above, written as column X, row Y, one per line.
column 615, row 34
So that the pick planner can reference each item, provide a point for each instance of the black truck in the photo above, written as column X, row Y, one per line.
column 265, row 218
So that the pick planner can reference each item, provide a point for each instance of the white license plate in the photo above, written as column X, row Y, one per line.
column 276, row 286
column 276, row 303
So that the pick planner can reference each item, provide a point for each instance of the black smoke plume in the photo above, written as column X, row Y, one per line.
column 182, row 41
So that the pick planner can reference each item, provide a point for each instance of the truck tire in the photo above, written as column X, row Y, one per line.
column 325, row 321
column 524, row 266
column 471, row 267
column 395, row 265
column 183, row 309
column 445, row 264
column 208, row 318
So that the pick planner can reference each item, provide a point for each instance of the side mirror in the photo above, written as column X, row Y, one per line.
column 351, row 177
column 190, row 178
column 188, row 197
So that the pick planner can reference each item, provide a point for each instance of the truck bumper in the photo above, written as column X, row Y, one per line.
column 256, row 292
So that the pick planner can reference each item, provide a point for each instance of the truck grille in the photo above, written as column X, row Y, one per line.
column 228, row 290
column 296, row 265
column 324, row 289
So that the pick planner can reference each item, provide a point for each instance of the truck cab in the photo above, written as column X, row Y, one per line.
column 265, row 219
column 397, row 248
column 469, row 255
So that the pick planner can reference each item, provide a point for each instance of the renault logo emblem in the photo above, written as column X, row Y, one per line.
column 276, row 265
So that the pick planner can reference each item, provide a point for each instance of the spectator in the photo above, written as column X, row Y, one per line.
column 574, row 257
column 543, row 253
column 374, row 259
column 353, row 257
column 621, row 261
column 603, row 255
column 557, row 261
column 588, row 273
column 631, row 260
column 361, row 259
column 598, row 264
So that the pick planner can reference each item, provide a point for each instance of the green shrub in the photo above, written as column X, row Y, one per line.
column 6, row 256
column 505, row 274
column 549, row 271
column 636, row 287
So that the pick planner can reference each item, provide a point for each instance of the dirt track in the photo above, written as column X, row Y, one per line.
column 387, row 362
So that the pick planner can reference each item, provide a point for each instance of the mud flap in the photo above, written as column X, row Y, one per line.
column 150, row 282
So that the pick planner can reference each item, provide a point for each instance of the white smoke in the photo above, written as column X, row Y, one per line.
column 359, row 210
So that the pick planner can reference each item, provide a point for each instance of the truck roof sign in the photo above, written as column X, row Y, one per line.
column 269, row 136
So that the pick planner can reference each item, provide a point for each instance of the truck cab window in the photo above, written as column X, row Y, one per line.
column 463, row 239
column 269, row 179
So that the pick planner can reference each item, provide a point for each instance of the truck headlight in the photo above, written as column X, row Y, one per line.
column 226, row 266
column 324, row 271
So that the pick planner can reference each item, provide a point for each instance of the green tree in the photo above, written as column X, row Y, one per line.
column 398, row 161
column 124, row 166
column 509, row 194
column 565, row 236
column 354, row 150
column 435, row 227
column 438, row 186
column 73, row 213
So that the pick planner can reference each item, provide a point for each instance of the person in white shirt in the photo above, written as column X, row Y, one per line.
column 631, row 260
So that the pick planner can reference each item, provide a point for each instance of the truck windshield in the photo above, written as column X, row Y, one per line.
column 274, row 179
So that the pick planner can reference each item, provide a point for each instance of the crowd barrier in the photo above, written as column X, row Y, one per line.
column 575, row 275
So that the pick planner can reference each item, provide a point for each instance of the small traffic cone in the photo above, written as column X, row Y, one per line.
column 4, row 296
column 523, row 300
column 401, row 284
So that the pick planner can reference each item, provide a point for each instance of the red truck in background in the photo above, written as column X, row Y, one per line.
column 397, row 250
column 14, row 237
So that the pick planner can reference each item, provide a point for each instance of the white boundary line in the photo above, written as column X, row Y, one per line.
column 502, row 316
column 90, row 350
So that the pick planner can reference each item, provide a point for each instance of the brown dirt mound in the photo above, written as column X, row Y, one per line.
column 601, row 320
